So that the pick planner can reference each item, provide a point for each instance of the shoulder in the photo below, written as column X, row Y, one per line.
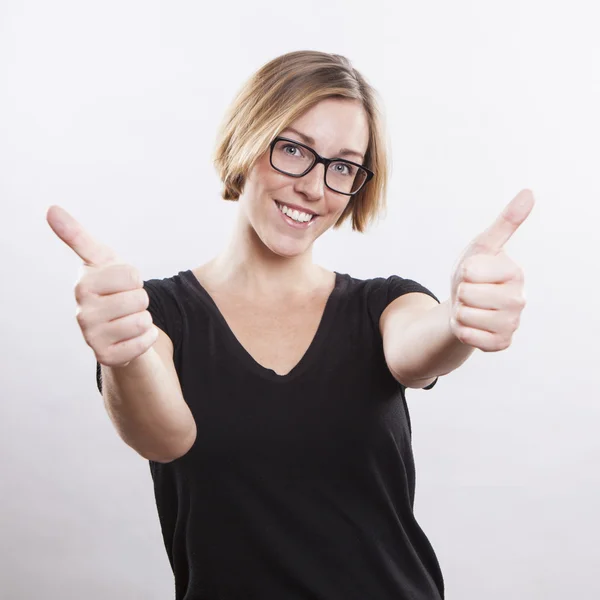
column 376, row 294
column 173, row 286
column 168, row 301
column 382, row 290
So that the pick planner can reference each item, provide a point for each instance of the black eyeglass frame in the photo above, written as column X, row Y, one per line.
column 320, row 160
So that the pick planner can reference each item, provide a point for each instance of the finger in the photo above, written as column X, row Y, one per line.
column 126, row 328
column 483, row 268
column 493, row 321
column 483, row 340
column 125, row 352
column 111, row 279
column 77, row 238
column 491, row 296
column 510, row 219
column 115, row 306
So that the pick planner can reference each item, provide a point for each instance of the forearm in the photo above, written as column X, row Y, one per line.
column 428, row 348
column 147, row 407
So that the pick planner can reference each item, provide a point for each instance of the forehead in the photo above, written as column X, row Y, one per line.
column 334, row 124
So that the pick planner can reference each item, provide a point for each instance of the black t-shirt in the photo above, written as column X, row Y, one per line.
column 298, row 486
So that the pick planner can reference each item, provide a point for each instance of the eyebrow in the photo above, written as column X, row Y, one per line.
column 308, row 140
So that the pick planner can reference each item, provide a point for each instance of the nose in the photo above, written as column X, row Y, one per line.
column 312, row 185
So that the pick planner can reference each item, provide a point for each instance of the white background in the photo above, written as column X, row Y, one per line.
column 110, row 110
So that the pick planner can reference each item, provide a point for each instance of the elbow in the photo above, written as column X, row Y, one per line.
column 411, row 382
column 420, row 383
column 171, row 452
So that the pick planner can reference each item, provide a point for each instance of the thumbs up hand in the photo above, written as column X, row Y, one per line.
column 487, row 295
column 110, row 295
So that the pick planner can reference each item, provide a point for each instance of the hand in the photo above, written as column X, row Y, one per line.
column 110, row 295
column 487, row 295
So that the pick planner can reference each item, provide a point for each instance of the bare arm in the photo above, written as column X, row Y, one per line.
column 140, row 385
column 418, row 343
column 146, row 405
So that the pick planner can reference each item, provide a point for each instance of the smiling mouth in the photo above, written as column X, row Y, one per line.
column 288, row 212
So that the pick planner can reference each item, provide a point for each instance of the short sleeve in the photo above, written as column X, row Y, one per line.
column 164, row 309
column 397, row 286
column 385, row 291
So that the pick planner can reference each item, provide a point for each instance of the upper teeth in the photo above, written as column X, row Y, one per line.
column 294, row 214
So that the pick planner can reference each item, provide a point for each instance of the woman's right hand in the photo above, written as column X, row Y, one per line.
column 110, row 295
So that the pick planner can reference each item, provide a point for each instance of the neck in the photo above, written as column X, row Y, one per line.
column 247, row 265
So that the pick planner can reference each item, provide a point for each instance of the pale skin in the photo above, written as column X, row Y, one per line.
column 424, row 340
column 264, row 281
column 265, row 260
column 270, row 268
column 272, row 294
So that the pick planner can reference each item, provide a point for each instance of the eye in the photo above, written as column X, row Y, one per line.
column 285, row 148
column 345, row 170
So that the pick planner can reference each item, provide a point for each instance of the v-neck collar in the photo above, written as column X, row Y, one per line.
column 240, row 351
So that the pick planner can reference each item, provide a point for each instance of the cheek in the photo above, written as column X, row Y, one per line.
column 340, row 204
column 264, row 177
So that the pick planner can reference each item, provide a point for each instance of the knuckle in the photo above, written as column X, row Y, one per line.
column 504, row 343
column 110, row 355
column 132, row 302
column 456, row 313
column 82, row 318
column 144, row 321
column 93, row 340
column 462, row 335
column 490, row 344
column 465, row 269
column 517, row 302
column 137, row 347
column 144, row 299
column 81, row 291
column 102, row 357
column 135, row 277
column 468, row 340
column 136, row 302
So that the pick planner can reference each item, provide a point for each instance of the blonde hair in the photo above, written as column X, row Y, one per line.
column 278, row 93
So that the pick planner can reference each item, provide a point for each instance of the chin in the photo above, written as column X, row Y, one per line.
column 288, row 250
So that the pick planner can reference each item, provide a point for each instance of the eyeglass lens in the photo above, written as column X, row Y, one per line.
column 295, row 160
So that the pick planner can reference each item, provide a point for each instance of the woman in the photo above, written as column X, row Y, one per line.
column 270, row 397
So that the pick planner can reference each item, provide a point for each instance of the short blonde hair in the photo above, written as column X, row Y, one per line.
column 280, row 92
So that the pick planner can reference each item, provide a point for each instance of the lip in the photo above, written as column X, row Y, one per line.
column 299, row 208
column 290, row 222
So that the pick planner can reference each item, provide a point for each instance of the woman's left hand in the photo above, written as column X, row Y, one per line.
column 487, row 292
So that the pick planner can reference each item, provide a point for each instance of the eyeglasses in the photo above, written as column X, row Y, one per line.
column 296, row 160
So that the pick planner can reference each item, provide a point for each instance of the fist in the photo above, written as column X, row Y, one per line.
column 487, row 287
column 110, row 296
